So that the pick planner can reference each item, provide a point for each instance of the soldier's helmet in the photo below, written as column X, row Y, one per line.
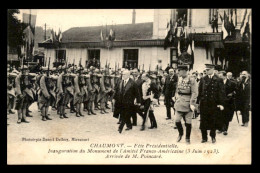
column 13, row 75
column 24, row 67
column 44, row 68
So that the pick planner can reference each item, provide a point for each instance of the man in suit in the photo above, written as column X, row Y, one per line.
column 186, row 95
column 243, row 97
column 125, row 94
column 211, row 100
column 169, row 91
column 228, row 112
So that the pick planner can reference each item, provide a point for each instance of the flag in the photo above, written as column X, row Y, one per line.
column 101, row 35
column 227, row 23
column 245, row 22
column 60, row 36
column 225, row 33
column 234, row 17
column 167, row 29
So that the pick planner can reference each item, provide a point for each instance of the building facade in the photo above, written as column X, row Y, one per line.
column 139, row 45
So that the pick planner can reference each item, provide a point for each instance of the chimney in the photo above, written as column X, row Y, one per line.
column 133, row 17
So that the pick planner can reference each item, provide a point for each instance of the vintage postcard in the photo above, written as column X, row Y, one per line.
column 129, row 86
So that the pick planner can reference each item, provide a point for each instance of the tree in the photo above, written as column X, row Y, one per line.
column 15, row 31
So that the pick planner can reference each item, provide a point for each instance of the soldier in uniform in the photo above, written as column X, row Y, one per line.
column 24, row 94
column 46, row 92
column 96, row 85
column 10, row 91
column 63, row 96
column 214, row 23
column 169, row 91
column 79, row 83
column 91, row 92
column 211, row 100
column 185, row 100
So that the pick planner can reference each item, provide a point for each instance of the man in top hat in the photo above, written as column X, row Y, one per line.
column 169, row 91
column 24, row 94
column 211, row 99
column 185, row 100
column 125, row 94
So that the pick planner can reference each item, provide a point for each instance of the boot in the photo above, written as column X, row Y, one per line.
column 142, row 128
column 43, row 118
column 188, row 131
column 81, row 114
column 102, row 111
column 48, row 118
column 64, row 115
column 93, row 112
column 180, row 129
column 77, row 114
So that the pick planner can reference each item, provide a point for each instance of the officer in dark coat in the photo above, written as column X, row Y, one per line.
column 211, row 99
column 169, row 91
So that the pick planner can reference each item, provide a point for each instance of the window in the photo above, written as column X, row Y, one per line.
column 130, row 58
column 173, row 58
column 183, row 14
column 61, row 56
column 94, row 53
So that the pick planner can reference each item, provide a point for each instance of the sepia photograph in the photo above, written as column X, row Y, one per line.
column 129, row 86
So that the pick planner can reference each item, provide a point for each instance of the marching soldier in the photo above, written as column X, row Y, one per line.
column 91, row 93
column 102, row 96
column 24, row 94
column 96, row 85
column 169, row 91
column 10, row 91
column 63, row 96
column 79, row 83
column 211, row 100
column 185, row 100
column 46, row 92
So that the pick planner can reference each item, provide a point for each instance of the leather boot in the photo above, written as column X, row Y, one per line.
column 180, row 129
column 188, row 131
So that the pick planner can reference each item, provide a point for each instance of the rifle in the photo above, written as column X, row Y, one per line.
column 48, row 71
column 73, row 65
column 80, row 66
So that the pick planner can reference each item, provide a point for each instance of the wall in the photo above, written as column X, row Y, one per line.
column 200, row 59
column 161, row 17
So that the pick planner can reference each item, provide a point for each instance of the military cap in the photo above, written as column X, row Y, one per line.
column 25, row 67
column 96, row 71
column 53, row 69
column 209, row 66
column 153, row 76
column 87, row 76
column 64, row 67
column 99, row 75
column 44, row 68
column 72, row 75
column 171, row 69
column 12, row 74
column 15, row 71
column 32, row 74
column 54, row 77
column 182, row 67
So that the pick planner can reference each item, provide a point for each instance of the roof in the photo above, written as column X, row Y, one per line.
column 138, row 31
